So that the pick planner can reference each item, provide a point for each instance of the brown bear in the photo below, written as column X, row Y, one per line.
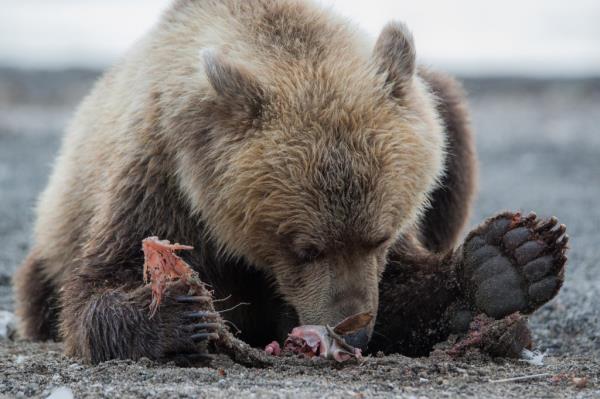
column 316, row 175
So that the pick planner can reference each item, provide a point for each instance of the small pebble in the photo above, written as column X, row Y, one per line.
column 580, row 382
column 8, row 322
column 61, row 393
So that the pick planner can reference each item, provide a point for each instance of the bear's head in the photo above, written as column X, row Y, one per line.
column 310, row 169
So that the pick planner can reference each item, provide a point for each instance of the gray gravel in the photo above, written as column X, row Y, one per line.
column 539, row 149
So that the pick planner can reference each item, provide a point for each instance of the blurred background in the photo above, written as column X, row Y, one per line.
column 531, row 69
column 509, row 37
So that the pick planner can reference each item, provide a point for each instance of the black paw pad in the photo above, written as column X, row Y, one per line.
column 516, row 237
column 491, row 268
column 496, row 231
column 513, row 263
column 480, row 256
column 529, row 251
column 501, row 294
column 544, row 290
column 538, row 268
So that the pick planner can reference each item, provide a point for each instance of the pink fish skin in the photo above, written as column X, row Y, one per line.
column 312, row 340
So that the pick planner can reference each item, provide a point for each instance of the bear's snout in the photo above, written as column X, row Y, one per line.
column 359, row 339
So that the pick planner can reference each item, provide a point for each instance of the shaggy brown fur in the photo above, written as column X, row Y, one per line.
column 451, row 201
column 294, row 156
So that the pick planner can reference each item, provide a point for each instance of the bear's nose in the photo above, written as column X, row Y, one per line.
column 359, row 339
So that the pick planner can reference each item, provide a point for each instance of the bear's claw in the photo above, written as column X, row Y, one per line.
column 201, row 314
column 513, row 263
column 201, row 325
column 204, row 336
column 193, row 299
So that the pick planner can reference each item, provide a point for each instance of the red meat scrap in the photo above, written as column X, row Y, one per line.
column 162, row 265
column 273, row 349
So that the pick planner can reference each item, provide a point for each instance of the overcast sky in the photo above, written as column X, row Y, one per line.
column 525, row 37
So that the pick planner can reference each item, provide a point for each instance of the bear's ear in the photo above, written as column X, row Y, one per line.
column 233, row 83
column 396, row 57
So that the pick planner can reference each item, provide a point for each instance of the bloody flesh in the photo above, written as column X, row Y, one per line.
column 162, row 265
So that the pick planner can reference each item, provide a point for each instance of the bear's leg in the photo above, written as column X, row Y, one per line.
column 451, row 201
column 115, row 323
column 417, row 293
column 508, row 264
column 36, row 301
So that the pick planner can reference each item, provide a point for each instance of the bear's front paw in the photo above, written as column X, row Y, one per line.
column 513, row 263
column 191, row 323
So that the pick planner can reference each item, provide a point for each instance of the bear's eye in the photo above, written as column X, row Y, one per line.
column 379, row 242
column 309, row 253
